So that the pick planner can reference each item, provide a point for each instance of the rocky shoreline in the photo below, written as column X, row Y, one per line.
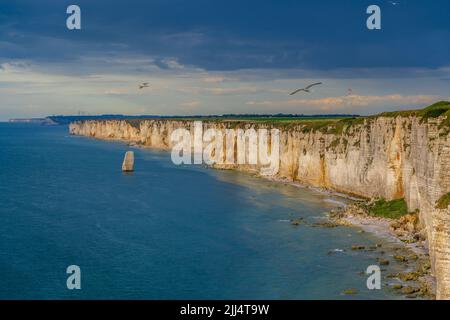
column 409, row 247
column 406, row 236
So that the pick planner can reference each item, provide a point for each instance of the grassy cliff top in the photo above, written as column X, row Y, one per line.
column 441, row 108
column 342, row 125
column 332, row 124
column 338, row 126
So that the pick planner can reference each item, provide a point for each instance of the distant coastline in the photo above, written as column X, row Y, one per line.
column 42, row 121
column 65, row 120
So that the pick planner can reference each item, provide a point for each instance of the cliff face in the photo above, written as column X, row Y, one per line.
column 385, row 156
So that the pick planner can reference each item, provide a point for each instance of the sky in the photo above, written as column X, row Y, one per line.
column 221, row 56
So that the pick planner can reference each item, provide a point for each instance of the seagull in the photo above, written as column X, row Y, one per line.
column 305, row 89
column 144, row 85
column 393, row 3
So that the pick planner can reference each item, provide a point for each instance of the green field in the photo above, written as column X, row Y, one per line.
column 332, row 124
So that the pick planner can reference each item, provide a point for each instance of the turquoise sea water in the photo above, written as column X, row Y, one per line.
column 162, row 232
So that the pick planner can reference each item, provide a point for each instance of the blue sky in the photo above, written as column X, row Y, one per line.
column 214, row 57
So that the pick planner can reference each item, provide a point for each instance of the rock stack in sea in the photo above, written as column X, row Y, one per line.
column 128, row 162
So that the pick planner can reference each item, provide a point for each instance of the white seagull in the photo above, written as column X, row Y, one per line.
column 144, row 85
column 306, row 89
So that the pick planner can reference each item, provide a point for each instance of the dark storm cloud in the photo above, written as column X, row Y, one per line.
column 232, row 34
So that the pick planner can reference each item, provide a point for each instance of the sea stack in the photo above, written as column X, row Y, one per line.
column 128, row 162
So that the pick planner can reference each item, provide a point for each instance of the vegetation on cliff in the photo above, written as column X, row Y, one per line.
column 394, row 209
column 443, row 201
column 441, row 108
column 343, row 125
column 135, row 123
column 327, row 124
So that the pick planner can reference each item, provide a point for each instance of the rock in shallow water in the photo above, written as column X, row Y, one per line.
column 128, row 162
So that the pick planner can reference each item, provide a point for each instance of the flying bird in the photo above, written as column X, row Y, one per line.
column 306, row 89
column 144, row 85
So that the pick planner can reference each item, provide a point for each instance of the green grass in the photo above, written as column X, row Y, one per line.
column 443, row 201
column 435, row 110
column 286, row 119
column 274, row 119
column 332, row 125
column 305, row 124
column 441, row 108
column 388, row 209
column 340, row 126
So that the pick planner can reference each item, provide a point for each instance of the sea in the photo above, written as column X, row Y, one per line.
column 164, row 231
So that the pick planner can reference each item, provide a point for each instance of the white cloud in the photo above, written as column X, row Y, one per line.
column 190, row 104
column 218, row 91
column 349, row 102
column 213, row 79
column 110, row 85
